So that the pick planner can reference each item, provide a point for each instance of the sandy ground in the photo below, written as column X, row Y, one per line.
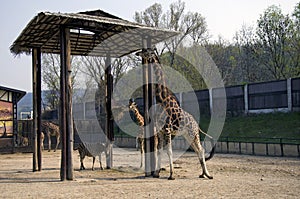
column 235, row 176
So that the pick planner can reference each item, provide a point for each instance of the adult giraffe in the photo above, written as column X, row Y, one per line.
column 174, row 120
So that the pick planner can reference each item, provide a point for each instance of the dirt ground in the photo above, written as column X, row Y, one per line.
column 235, row 176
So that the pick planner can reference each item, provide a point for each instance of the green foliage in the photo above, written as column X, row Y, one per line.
column 275, row 34
column 272, row 125
column 185, row 69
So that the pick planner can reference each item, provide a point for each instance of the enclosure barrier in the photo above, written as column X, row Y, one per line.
column 233, row 145
column 259, row 146
column 262, row 146
column 263, row 97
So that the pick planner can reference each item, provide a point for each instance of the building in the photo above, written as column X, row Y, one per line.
column 9, row 99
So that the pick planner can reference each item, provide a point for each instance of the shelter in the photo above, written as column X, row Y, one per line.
column 9, row 99
column 94, row 33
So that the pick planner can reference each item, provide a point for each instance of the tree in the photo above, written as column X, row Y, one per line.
column 274, row 33
column 93, row 68
column 248, row 68
column 151, row 16
column 225, row 57
column 51, row 78
column 295, row 43
column 192, row 26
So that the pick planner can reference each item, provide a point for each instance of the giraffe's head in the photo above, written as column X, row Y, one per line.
column 132, row 105
column 149, row 54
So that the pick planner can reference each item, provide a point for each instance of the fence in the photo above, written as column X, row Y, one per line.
column 283, row 95
column 235, row 145
column 259, row 146
column 272, row 147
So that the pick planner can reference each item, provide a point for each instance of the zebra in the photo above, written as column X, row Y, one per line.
column 83, row 151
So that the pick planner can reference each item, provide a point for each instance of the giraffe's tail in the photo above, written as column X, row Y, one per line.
column 213, row 150
column 212, row 141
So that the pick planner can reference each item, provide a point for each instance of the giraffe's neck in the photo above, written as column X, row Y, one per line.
column 158, row 71
column 138, row 116
column 163, row 95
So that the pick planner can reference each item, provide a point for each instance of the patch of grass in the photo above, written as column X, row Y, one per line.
column 264, row 127
column 267, row 128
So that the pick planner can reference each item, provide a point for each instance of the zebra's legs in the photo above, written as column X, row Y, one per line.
column 100, row 162
column 93, row 163
column 81, row 163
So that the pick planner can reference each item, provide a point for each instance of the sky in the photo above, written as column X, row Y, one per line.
column 223, row 17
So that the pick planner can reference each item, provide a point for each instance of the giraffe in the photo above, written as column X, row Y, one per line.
column 140, row 136
column 174, row 120
column 50, row 129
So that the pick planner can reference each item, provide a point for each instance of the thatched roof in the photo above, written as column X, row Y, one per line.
column 92, row 33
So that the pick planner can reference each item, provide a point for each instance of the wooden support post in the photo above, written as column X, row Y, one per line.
column 109, row 118
column 148, row 102
column 65, row 120
column 37, row 108
column 151, row 123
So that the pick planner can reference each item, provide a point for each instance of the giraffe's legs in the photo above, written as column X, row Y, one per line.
column 170, row 154
column 158, row 146
column 141, row 142
column 42, row 140
column 201, row 155
column 49, row 141
column 137, row 143
column 203, row 165
column 57, row 142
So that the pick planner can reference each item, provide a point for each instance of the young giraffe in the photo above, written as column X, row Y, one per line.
column 175, row 120
column 50, row 129
column 140, row 137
